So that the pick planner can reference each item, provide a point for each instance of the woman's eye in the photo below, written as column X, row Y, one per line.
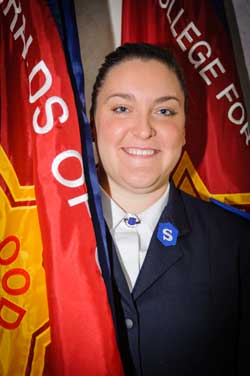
column 166, row 112
column 120, row 109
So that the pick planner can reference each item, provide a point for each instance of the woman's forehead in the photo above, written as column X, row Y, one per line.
column 132, row 64
column 141, row 74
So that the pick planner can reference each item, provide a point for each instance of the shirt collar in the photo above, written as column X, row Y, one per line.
column 114, row 214
column 151, row 215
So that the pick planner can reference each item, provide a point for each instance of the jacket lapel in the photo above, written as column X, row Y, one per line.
column 119, row 280
column 160, row 257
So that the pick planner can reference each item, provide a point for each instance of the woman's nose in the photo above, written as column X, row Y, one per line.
column 143, row 127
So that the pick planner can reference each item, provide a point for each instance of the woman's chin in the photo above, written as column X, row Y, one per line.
column 139, row 184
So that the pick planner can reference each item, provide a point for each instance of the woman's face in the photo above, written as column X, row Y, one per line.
column 140, row 126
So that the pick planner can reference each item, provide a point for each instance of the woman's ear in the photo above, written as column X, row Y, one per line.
column 93, row 129
column 184, row 140
column 184, row 136
column 94, row 139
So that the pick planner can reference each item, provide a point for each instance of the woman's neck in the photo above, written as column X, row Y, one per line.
column 132, row 201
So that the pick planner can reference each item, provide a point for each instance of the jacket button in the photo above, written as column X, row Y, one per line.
column 129, row 323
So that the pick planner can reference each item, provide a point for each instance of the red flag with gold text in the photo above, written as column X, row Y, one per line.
column 216, row 161
column 42, row 176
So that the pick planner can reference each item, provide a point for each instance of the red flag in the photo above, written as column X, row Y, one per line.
column 40, row 136
column 217, row 153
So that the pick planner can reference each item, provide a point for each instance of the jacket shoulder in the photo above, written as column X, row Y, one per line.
column 212, row 212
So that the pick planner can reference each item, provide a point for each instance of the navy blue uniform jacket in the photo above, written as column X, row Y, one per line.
column 189, row 312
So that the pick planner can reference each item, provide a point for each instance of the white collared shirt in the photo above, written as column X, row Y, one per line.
column 132, row 242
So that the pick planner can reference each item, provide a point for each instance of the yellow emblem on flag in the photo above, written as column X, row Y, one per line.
column 187, row 178
column 24, row 320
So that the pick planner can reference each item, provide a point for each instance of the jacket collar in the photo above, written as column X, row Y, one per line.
column 161, row 258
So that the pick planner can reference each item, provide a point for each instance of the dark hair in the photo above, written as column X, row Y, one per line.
column 129, row 51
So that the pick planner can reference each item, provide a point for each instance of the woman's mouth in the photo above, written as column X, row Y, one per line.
column 140, row 152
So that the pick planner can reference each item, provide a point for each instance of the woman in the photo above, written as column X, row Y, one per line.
column 180, row 266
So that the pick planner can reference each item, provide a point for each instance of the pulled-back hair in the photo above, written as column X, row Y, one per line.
column 129, row 51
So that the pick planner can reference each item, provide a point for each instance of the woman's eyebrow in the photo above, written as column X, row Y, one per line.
column 166, row 98
column 128, row 96
column 120, row 95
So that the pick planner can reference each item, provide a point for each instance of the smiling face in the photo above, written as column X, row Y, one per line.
column 140, row 126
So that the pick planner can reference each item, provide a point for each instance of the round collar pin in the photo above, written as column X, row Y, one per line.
column 131, row 220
